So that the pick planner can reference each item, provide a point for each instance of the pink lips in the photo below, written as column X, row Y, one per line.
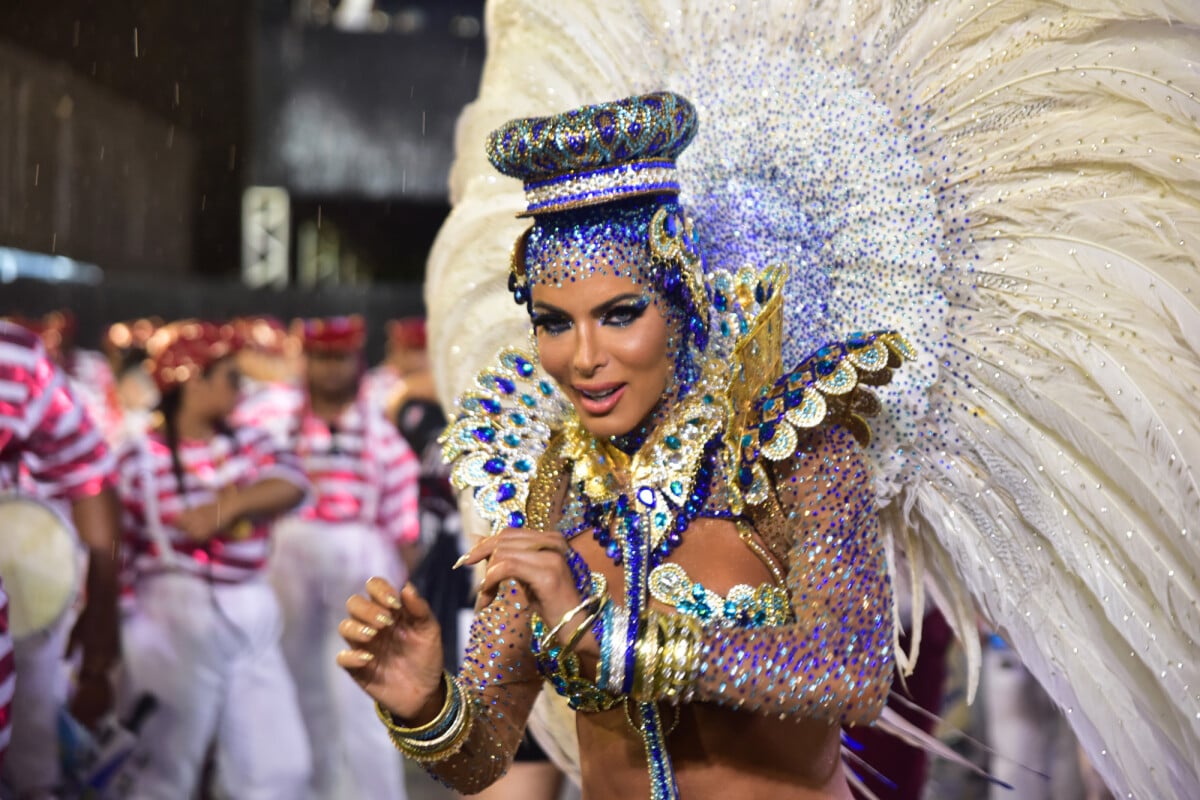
column 598, row 406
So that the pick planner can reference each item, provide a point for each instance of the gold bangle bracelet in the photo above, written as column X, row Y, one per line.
column 389, row 719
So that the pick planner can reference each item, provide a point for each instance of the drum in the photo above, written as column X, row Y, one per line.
column 39, row 563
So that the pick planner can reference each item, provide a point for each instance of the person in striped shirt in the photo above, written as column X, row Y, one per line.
column 202, row 632
column 49, row 445
column 364, row 522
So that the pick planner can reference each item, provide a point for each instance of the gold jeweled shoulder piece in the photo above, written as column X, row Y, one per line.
column 502, row 429
column 830, row 386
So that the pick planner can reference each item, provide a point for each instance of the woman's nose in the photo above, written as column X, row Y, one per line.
column 588, row 354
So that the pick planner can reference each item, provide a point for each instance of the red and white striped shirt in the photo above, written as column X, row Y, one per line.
column 361, row 468
column 46, row 436
column 245, row 457
column 44, row 429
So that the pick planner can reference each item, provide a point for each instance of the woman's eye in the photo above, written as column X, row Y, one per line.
column 623, row 315
column 550, row 323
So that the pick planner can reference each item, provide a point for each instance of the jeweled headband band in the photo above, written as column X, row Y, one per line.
column 596, row 154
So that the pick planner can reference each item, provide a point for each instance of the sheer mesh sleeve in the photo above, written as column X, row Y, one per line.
column 501, row 681
column 835, row 662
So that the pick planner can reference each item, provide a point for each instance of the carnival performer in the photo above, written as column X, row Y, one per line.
column 49, row 445
column 364, row 521
column 1013, row 187
column 404, row 372
column 700, row 576
column 202, row 635
column 137, row 396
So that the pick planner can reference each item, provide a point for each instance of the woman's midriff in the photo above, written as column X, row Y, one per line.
column 716, row 751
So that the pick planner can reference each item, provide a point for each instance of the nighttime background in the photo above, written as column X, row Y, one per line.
column 130, row 131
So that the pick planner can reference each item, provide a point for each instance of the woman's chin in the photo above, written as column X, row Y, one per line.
column 606, row 426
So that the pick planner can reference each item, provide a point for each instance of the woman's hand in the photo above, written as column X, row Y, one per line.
column 538, row 561
column 200, row 523
column 395, row 650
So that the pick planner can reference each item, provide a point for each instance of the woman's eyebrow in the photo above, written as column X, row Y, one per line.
column 616, row 301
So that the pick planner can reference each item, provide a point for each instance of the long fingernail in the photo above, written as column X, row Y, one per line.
column 367, row 630
column 364, row 656
column 384, row 620
column 393, row 602
column 461, row 560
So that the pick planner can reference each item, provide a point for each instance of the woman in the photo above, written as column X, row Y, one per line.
column 700, row 575
column 202, row 635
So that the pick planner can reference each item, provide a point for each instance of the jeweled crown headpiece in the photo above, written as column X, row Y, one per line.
column 600, row 182
column 596, row 154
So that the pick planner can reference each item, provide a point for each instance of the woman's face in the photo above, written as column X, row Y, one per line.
column 219, row 388
column 606, row 342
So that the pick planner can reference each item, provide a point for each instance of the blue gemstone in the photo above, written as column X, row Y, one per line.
column 698, row 592
column 523, row 465
column 545, row 388
column 825, row 368
column 645, row 496
column 487, row 435
column 719, row 302
column 672, row 225
column 512, row 440
column 766, row 432
column 529, row 400
column 676, row 488
column 517, row 419
column 505, row 492
column 494, row 466
column 524, row 368
column 759, row 294
column 613, row 550
column 731, row 609
column 858, row 339
column 745, row 476
column 490, row 405
column 516, row 520
column 793, row 397
column 672, row 442
column 703, row 611
column 505, row 385
column 675, row 538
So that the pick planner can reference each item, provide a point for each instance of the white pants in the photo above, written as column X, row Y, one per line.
column 315, row 567
column 31, row 765
column 210, row 655
column 1027, row 729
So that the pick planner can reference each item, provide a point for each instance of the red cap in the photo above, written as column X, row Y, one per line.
column 262, row 334
column 57, row 330
column 334, row 334
column 407, row 333
column 181, row 350
column 130, row 335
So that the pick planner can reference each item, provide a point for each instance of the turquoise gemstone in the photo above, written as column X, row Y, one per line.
column 672, row 442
